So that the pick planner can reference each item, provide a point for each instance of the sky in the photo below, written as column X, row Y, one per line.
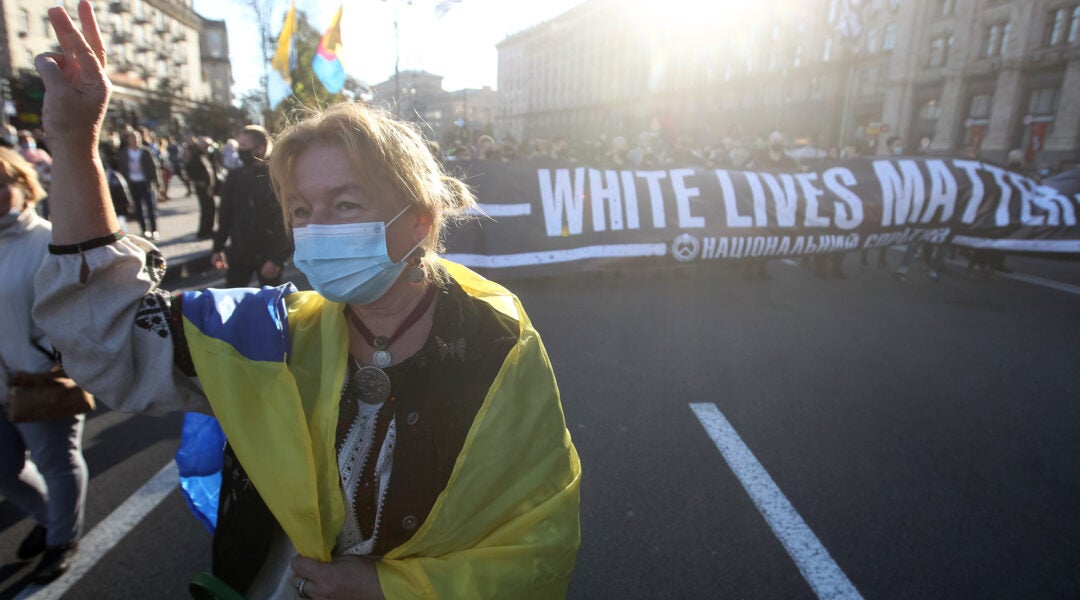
column 459, row 46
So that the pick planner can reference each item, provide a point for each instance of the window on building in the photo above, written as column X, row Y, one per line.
column 930, row 110
column 834, row 7
column 1057, row 30
column 995, row 40
column 888, row 37
column 827, row 52
column 46, row 28
column 937, row 52
column 1074, row 26
column 1042, row 101
column 872, row 40
column 24, row 21
column 948, row 7
column 980, row 106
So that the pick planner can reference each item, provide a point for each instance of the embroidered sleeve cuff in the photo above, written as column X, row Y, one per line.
column 81, row 247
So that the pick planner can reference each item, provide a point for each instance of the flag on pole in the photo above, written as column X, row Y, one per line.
column 327, row 63
column 279, row 83
column 444, row 7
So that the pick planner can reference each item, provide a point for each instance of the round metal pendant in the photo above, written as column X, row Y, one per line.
column 381, row 359
column 373, row 385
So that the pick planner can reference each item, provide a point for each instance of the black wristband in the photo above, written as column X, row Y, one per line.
column 104, row 240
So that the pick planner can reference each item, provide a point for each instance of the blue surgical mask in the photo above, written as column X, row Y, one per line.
column 348, row 262
column 9, row 219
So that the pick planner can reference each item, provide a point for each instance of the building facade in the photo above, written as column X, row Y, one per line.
column 984, row 76
column 214, row 54
column 441, row 115
column 156, row 58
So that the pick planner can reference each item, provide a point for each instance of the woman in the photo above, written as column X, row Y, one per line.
column 52, row 488
column 395, row 434
column 143, row 175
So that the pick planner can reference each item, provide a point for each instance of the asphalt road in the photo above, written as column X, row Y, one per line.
column 926, row 434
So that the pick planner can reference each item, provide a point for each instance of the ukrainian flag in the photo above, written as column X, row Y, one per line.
column 327, row 63
column 279, row 82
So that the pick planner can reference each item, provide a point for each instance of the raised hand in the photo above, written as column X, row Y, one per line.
column 76, row 87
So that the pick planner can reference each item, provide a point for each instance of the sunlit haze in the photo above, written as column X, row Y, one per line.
column 460, row 45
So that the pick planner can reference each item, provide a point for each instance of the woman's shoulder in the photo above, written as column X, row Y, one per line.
column 254, row 321
column 476, row 312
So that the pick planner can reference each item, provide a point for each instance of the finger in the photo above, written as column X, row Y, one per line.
column 49, row 66
column 71, row 41
column 306, row 567
column 91, row 31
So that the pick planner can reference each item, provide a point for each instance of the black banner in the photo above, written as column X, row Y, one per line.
column 539, row 217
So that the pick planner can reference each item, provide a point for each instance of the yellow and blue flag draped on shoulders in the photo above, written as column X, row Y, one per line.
column 506, row 526
column 272, row 363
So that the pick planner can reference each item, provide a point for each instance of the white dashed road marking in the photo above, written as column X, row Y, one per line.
column 812, row 559
column 102, row 538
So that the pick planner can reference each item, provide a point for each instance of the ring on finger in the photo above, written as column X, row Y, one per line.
column 300, row 583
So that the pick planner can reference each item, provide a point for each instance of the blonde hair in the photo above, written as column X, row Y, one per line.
column 16, row 170
column 381, row 149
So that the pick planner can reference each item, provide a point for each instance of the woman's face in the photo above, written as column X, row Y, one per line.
column 11, row 196
column 329, row 191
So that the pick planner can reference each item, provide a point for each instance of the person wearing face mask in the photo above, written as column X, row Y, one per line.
column 39, row 158
column 396, row 433
column 251, row 236
column 50, row 487
column 9, row 138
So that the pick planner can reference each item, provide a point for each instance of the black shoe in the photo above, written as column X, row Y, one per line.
column 33, row 544
column 54, row 563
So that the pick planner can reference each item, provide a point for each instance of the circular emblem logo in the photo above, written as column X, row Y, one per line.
column 685, row 248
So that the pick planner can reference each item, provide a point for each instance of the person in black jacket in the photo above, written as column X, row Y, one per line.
column 143, row 175
column 249, row 219
column 123, row 204
column 201, row 174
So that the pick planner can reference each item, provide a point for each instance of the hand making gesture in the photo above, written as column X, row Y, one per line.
column 76, row 97
column 77, row 87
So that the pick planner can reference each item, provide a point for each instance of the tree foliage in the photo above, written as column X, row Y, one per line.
column 219, row 121
column 160, row 105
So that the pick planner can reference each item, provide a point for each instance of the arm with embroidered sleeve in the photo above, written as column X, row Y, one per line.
column 116, row 330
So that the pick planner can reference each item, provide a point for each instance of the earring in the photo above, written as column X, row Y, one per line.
column 416, row 266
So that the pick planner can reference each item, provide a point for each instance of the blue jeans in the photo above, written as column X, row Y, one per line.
column 145, row 205
column 51, row 486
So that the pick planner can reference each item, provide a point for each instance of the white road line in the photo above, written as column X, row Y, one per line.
column 812, row 559
column 789, row 262
column 102, row 538
column 1048, row 283
column 1068, row 288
